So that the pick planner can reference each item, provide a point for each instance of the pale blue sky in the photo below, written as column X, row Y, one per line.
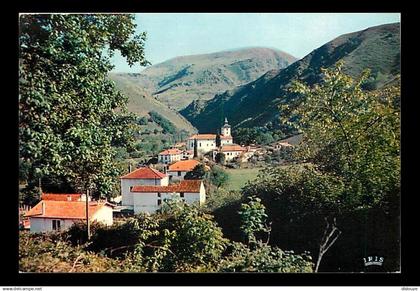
column 176, row 34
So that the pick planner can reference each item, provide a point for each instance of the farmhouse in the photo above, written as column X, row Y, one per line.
column 177, row 170
column 150, row 198
column 169, row 156
column 232, row 151
column 140, row 176
column 59, row 213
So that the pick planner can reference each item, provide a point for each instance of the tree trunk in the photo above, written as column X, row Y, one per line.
column 329, row 237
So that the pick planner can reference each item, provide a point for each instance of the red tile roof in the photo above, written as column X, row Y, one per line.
column 184, row 166
column 144, row 173
column 203, row 136
column 171, row 152
column 65, row 209
column 232, row 148
column 60, row 196
column 192, row 186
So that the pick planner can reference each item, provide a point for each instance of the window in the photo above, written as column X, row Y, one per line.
column 179, row 173
column 181, row 194
column 159, row 202
column 200, row 144
column 158, row 194
column 56, row 224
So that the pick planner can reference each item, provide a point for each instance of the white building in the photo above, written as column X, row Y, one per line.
column 150, row 198
column 169, row 156
column 177, row 170
column 140, row 176
column 232, row 151
column 57, row 215
column 207, row 142
column 187, row 155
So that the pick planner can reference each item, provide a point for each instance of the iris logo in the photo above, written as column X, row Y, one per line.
column 373, row 260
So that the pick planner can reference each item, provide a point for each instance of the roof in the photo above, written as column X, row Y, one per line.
column 184, row 166
column 184, row 186
column 144, row 173
column 61, row 196
column 203, row 136
column 65, row 209
column 232, row 148
column 171, row 152
column 226, row 137
column 226, row 126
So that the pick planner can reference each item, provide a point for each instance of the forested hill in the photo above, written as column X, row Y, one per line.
column 256, row 103
column 181, row 80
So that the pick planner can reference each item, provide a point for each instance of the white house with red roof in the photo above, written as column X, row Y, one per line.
column 169, row 156
column 177, row 170
column 232, row 151
column 207, row 142
column 148, row 199
column 140, row 176
column 58, row 212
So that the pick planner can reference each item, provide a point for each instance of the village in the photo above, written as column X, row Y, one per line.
column 147, row 188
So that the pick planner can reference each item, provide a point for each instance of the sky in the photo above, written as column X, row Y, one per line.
column 177, row 34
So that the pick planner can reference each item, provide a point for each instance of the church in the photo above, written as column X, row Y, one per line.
column 207, row 142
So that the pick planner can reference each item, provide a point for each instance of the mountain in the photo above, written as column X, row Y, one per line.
column 181, row 80
column 141, row 102
column 256, row 103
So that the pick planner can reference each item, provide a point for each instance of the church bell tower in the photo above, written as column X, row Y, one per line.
column 225, row 130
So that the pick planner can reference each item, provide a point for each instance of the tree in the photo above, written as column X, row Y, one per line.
column 218, row 176
column 198, row 173
column 70, row 114
column 220, row 158
column 218, row 140
column 351, row 136
column 253, row 219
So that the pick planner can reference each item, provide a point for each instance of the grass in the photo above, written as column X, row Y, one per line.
column 239, row 177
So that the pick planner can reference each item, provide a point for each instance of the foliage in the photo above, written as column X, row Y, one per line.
column 351, row 133
column 198, row 173
column 218, row 176
column 221, row 198
column 253, row 219
column 51, row 253
column 167, row 126
column 70, row 113
column 256, row 135
column 264, row 258
column 220, row 158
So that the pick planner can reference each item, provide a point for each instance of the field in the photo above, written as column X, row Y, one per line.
column 239, row 177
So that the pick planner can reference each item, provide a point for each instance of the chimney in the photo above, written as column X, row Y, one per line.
column 129, row 168
column 43, row 208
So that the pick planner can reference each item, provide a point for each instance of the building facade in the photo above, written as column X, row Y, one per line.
column 169, row 156
column 58, row 215
column 141, row 176
column 177, row 171
column 149, row 199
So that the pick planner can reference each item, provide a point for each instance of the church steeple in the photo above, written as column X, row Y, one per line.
column 225, row 128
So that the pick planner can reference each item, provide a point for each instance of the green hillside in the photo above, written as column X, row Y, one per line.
column 181, row 80
column 256, row 103
column 141, row 103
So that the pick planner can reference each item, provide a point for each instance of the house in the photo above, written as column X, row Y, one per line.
column 187, row 155
column 207, row 142
column 169, row 156
column 64, row 197
column 150, row 198
column 140, row 176
column 177, row 170
column 60, row 214
column 232, row 151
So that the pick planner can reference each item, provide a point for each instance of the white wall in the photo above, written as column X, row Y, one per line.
column 167, row 159
column 148, row 202
column 126, row 184
column 41, row 224
column 225, row 141
column 231, row 155
column 174, row 175
column 203, row 145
